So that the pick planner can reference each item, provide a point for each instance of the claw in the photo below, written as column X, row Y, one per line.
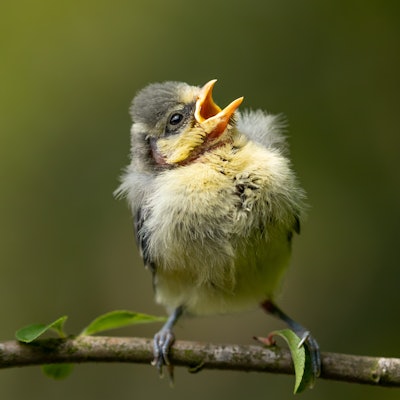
column 315, row 355
column 312, row 347
column 305, row 336
column 163, row 340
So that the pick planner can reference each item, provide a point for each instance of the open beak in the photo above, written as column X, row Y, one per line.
column 210, row 115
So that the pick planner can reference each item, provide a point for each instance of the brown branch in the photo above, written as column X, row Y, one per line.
column 342, row 367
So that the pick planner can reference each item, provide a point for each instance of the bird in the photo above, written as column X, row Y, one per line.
column 215, row 204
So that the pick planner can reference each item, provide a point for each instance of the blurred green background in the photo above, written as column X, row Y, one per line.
column 68, row 71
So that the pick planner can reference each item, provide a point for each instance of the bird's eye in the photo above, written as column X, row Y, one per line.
column 176, row 119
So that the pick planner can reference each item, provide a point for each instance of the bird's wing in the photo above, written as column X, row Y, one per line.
column 142, row 241
column 297, row 225
column 135, row 186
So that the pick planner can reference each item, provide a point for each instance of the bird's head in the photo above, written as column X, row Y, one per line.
column 179, row 122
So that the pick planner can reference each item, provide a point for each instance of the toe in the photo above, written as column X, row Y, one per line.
column 163, row 341
column 313, row 349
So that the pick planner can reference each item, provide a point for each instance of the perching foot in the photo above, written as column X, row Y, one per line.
column 305, row 336
column 163, row 341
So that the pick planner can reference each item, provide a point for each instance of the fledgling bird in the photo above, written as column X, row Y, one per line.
column 215, row 205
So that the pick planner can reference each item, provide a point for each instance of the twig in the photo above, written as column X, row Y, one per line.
column 377, row 371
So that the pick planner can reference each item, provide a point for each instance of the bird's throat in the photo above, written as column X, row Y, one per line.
column 166, row 160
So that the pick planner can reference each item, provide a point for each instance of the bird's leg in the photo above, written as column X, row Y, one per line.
column 163, row 341
column 304, row 334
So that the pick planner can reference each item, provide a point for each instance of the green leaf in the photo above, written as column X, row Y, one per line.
column 301, row 360
column 58, row 326
column 118, row 319
column 57, row 371
column 31, row 332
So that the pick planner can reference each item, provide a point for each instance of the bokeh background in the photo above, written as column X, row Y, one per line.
column 68, row 71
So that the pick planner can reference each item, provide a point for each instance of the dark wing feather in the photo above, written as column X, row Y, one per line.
column 142, row 241
column 296, row 225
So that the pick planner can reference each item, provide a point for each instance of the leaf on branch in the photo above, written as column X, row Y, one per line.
column 57, row 371
column 31, row 332
column 301, row 360
column 118, row 319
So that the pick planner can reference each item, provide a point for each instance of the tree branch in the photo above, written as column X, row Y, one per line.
column 342, row 367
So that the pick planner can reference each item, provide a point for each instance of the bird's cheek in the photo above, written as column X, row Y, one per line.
column 157, row 156
column 178, row 149
column 168, row 154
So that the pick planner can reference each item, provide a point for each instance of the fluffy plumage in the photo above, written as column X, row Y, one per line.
column 215, row 201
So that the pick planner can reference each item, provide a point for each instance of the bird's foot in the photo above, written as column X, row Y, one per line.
column 312, row 347
column 163, row 341
column 306, row 339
